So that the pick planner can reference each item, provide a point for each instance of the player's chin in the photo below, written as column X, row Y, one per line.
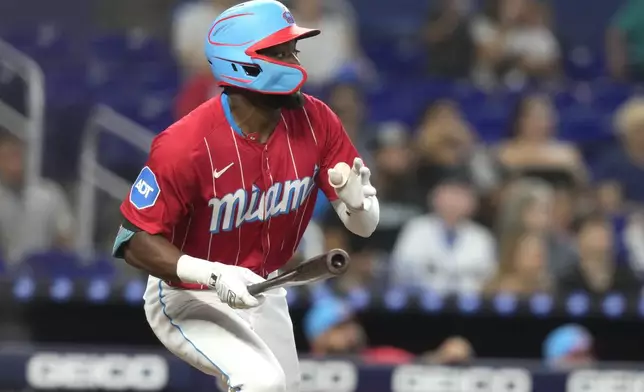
column 291, row 101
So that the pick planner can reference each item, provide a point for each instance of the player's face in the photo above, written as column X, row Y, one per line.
column 345, row 338
column 285, row 53
column 11, row 162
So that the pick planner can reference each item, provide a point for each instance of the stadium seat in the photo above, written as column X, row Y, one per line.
column 44, row 42
column 102, row 268
column 584, row 63
column 490, row 120
column 135, row 46
column 66, row 83
column 583, row 124
column 607, row 96
column 51, row 264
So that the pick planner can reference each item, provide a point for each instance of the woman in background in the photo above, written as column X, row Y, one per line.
column 532, row 144
column 531, row 252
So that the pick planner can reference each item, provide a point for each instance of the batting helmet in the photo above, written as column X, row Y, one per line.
column 240, row 32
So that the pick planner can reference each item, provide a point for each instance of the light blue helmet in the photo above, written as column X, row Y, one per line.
column 240, row 32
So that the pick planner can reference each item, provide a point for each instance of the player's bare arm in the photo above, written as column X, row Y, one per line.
column 158, row 257
column 153, row 254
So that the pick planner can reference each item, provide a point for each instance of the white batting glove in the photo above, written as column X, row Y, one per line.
column 353, row 185
column 229, row 281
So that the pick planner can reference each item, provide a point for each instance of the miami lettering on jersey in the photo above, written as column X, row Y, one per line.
column 236, row 208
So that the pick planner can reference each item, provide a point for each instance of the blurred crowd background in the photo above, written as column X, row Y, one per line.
column 505, row 137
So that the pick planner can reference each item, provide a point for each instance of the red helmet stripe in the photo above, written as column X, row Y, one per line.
column 221, row 20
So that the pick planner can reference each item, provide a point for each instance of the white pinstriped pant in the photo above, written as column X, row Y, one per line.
column 253, row 350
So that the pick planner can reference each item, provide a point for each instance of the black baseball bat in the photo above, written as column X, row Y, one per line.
column 327, row 265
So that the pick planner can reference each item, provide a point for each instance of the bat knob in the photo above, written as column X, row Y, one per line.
column 338, row 261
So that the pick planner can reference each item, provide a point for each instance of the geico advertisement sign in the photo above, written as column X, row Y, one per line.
column 418, row 378
column 96, row 371
column 605, row 381
column 325, row 376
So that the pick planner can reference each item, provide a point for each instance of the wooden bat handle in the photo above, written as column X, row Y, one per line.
column 327, row 265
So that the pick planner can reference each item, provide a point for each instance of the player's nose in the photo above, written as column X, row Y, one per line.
column 293, row 59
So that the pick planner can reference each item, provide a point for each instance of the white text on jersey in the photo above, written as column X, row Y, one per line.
column 234, row 209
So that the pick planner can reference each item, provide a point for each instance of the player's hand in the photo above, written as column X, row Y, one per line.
column 353, row 185
column 230, row 283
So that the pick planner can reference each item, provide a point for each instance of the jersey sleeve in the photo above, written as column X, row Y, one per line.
column 162, row 193
column 337, row 148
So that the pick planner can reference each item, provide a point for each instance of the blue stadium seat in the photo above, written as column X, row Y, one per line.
column 565, row 99
column 402, row 102
column 584, row 63
column 66, row 83
column 115, row 75
column 607, row 96
column 582, row 124
column 394, row 56
column 397, row 18
column 134, row 46
column 44, row 42
column 51, row 264
column 101, row 268
column 490, row 120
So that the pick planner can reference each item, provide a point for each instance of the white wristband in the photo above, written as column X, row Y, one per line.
column 194, row 270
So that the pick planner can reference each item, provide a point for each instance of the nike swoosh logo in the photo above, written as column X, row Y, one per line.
column 218, row 174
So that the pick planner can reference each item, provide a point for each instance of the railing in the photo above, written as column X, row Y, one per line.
column 94, row 176
column 28, row 126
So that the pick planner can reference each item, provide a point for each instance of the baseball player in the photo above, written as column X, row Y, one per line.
column 226, row 195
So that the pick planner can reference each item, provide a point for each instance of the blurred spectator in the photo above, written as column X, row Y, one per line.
column 444, row 143
column 397, row 191
column 620, row 171
column 332, row 329
column 528, row 206
column 532, row 144
column 523, row 266
column 446, row 251
column 32, row 217
column 336, row 47
column 449, row 41
column 564, row 210
column 634, row 243
column 453, row 351
column 625, row 42
column 530, row 252
column 597, row 271
column 568, row 346
column 311, row 244
column 346, row 99
column 368, row 271
column 190, row 29
column 197, row 90
column 514, row 43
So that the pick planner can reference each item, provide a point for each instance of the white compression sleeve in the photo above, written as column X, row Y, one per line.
column 362, row 223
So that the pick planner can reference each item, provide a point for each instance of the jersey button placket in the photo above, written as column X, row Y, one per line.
column 268, row 181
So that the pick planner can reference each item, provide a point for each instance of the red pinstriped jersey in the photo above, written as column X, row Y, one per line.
column 221, row 196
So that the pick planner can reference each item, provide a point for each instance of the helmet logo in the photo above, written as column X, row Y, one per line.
column 288, row 17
